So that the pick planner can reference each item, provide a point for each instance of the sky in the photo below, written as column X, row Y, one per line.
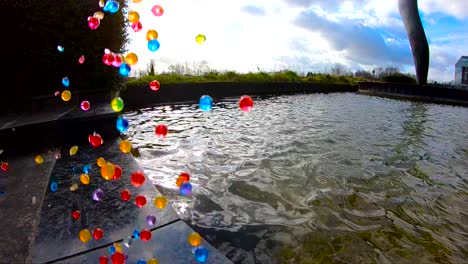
column 300, row 35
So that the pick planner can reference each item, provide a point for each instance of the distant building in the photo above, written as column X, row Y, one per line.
column 461, row 71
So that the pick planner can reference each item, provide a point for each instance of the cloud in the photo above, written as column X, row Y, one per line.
column 254, row 10
column 455, row 8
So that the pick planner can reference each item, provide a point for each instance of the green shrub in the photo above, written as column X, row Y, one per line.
column 399, row 78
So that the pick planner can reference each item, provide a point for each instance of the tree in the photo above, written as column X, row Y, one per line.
column 363, row 74
column 338, row 69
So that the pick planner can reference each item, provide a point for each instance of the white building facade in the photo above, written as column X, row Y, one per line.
column 461, row 71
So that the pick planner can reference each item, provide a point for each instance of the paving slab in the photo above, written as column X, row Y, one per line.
column 57, row 235
column 168, row 244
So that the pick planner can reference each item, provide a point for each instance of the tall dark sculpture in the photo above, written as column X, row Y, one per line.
column 417, row 38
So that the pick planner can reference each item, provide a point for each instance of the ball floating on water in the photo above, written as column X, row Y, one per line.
column 84, row 179
column 145, row 235
column 157, row 10
column 60, row 48
column 107, row 171
column 117, row 104
column 125, row 146
column 125, row 195
column 111, row 6
column 99, row 15
column 121, row 124
column 66, row 95
column 154, row 85
column 108, row 59
column 65, row 81
column 152, row 261
column 153, row 45
column 151, row 220
column 206, row 103
column 93, row 22
column 118, row 258
column 133, row 17
column 137, row 26
column 4, row 166
column 124, row 69
column 95, row 140
column 200, row 38
column 140, row 201
column 160, row 202
column 85, row 105
column 138, row 178
column 98, row 194
column 53, row 186
column 73, row 150
column 84, row 235
column 246, row 103
column 161, row 131
column 98, row 233
column 151, row 34
column 76, row 214
column 39, row 159
column 194, row 239
column 201, row 254
column 131, row 59
column 117, row 173
column 185, row 189
column 103, row 260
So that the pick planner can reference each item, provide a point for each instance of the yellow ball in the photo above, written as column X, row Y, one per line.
column 84, row 235
column 84, row 178
column 39, row 159
column 194, row 239
column 99, row 15
column 100, row 161
column 118, row 247
column 125, row 146
column 151, row 34
column 200, row 39
column 107, row 171
column 152, row 261
column 136, row 1
column 131, row 59
column 66, row 95
column 73, row 150
column 160, row 202
column 74, row 187
column 133, row 16
column 117, row 104
column 101, row 3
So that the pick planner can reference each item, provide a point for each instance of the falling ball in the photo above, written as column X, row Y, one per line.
column 131, row 59
column 4, row 166
column 246, row 103
column 81, row 59
column 117, row 173
column 117, row 104
column 154, row 85
column 99, row 15
column 185, row 189
column 76, row 214
column 194, row 239
column 84, row 179
column 206, row 103
column 150, row 220
column 98, row 195
column 140, row 261
column 145, row 235
column 118, row 258
column 152, row 261
column 137, row 178
column 60, row 48
column 161, row 131
column 101, row 3
column 74, row 187
column 84, row 235
column 53, row 186
column 87, row 168
column 160, row 202
column 103, row 260
column 151, row 34
column 121, row 124
column 136, row 233
column 124, row 69
column 133, row 16
column 107, row 171
column 111, row 6
column 73, row 150
column 93, row 22
column 98, row 233
column 125, row 146
column 183, row 177
column 140, row 201
column 39, row 159
column 108, row 59
column 95, row 140
column 200, row 38
column 66, row 95
column 137, row 26
column 153, row 45
column 117, row 60
column 157, row 10
column 85, row 105
column 201, row 254
column 65, row 81
column 100, row 161
column 125, row 195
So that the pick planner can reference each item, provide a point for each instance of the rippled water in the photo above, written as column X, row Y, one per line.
column 338, row 178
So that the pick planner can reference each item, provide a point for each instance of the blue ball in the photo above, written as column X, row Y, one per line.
column 87, row 168
column 53, row 186
column 153, row 45
column 124, row 69
column 121, row 124
column 112, row 250
column 201, row 254
column 65, row 81
column 140, row 261
column 185, row 188
column 136, row 233
column 111, row 6
column 206, row 103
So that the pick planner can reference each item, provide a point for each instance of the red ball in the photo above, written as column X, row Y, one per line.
column 117, row 173
column 108, row 59
column 138, row 178
column 137, row 26
column 76, row 214
column 95, row 140
column 4, row 166
column 246, row 103
column 118, row 258
column 98, row 233
column 125, row 195
column 145, row 235
column 140, row 201
column 185, row 176
column 161, row 131
column 103, row 260
column 154, row 85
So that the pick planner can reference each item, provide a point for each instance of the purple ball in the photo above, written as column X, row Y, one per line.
column 185, row 189
column 98, row 194
column 150, row 220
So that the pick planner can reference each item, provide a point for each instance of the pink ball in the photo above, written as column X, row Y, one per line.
column 157, row 10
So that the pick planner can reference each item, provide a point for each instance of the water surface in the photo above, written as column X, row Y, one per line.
column 338, row 178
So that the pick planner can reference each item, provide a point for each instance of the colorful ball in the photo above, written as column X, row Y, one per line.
column 98, row 233
column 98, row 194
column 76, row 214
column 125, row 146
column 117, row 60
column 141, row 261
column 117, row 104
column 200, row 38
column 39, row 159
column 100, row 161
column 201, row 254
column 137, row 26
column 99, row 15
column 194, row 239
column 246, row 103
column 66, row 95
column 84, row 235
column 145, row 235
column 108, row 59
column 152, row 261
column 154, row 85
column 81, row 60
column 103, row 260
column 140, row 201
column 95, row 140
column 206, row 103
column 111, row 6
column 117, row 173
column 65, row 81
column 151, row 220
column 93, row 22
column 124, row 69
column 153, row 45
column 125, row 195
column 160, row 202
column 121, row 124
column 185, row 189
column 138, row 179
column 161, row 131
column 85, row 105
column 133, row 16
column 73, row 150
column 4, row 166
column 151, row 34
column 157, row 10
column 53, row 186
column 131, row 59
column 84, row 179
column 107, row 171
column 118, row 258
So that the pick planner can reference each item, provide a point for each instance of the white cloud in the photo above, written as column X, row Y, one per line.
column 455, row 8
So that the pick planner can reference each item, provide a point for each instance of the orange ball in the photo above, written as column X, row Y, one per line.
column 160, row 202
column 194, row 239
column 151, row 34
column 133, row 17
column 131, row 59
column 107, row 171
column 100, row 161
